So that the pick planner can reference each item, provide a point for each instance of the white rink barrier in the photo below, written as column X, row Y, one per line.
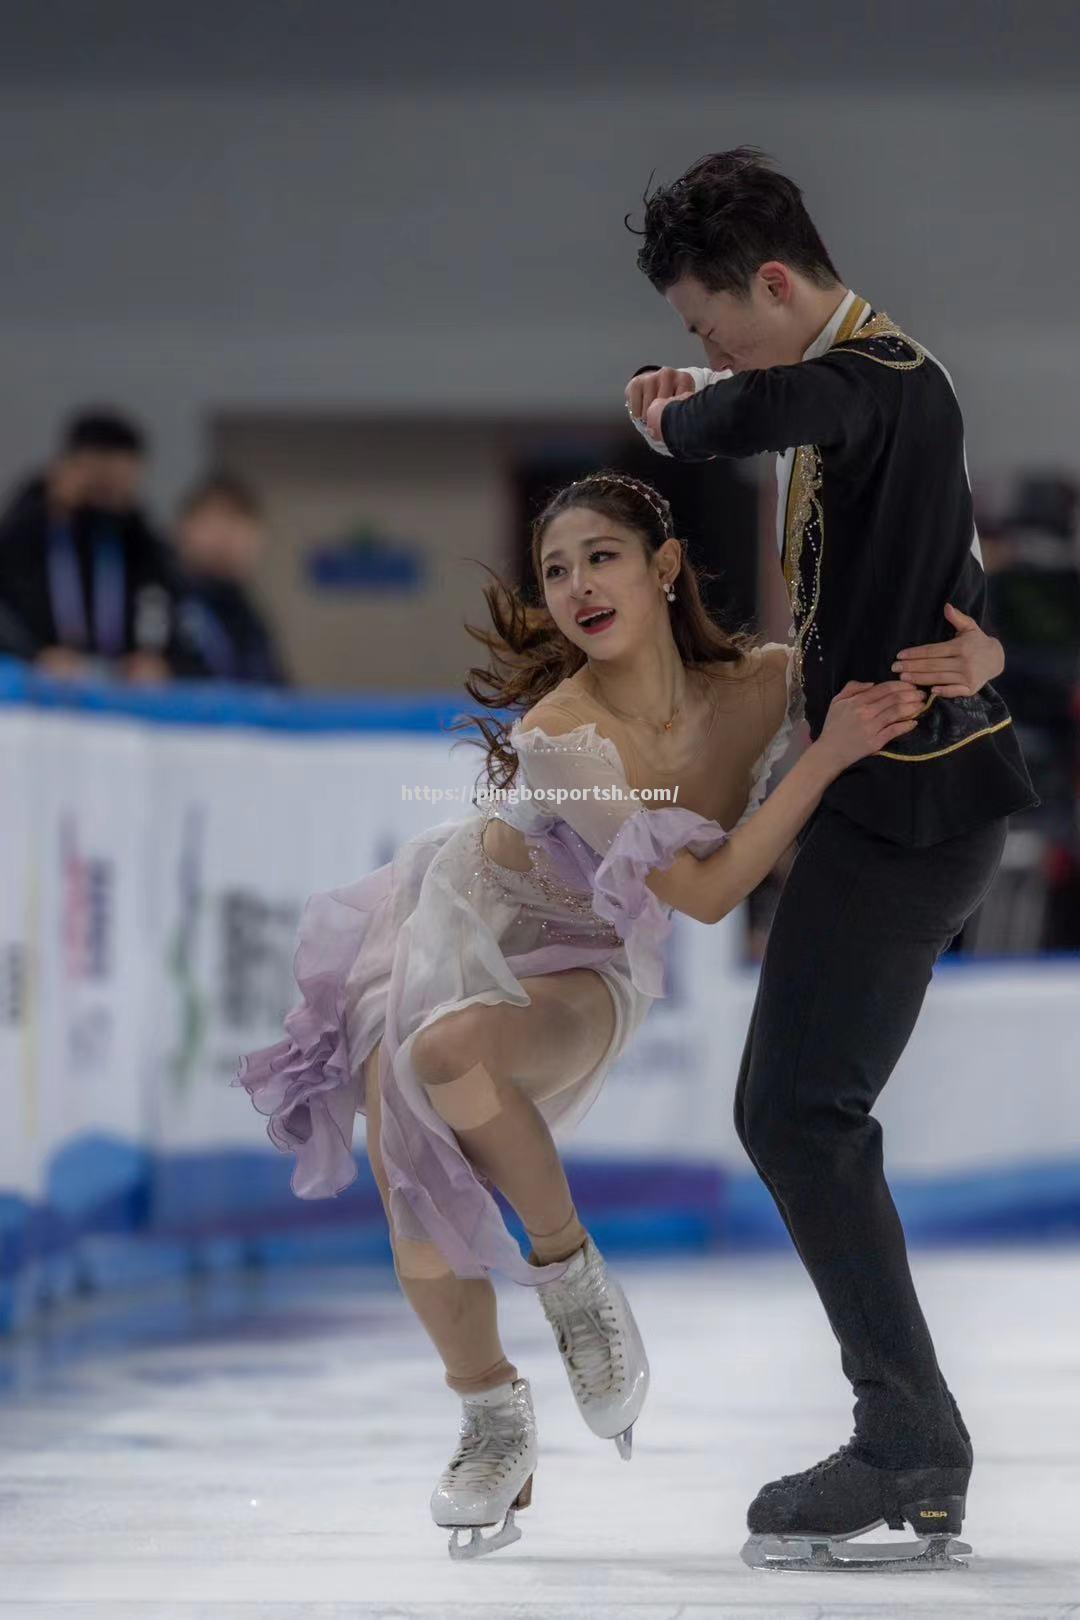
column 155, row 853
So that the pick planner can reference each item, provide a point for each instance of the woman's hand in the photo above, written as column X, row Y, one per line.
column 957, row 668
column 864, row 718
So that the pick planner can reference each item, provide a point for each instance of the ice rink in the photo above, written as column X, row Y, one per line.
column 264, row 1449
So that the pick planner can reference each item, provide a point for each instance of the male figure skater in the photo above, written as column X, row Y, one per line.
column 876, row 531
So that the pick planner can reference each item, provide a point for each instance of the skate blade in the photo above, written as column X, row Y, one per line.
column 809, row 1553
column 624, row 1443
column 478, row 1546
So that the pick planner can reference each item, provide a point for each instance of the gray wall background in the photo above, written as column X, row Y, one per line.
column 284, row 206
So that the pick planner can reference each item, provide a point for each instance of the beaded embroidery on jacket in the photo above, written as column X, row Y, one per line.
column 805, row 520
column 805, row 532
column 902, row 353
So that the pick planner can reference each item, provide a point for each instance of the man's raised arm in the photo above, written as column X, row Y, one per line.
column 823, row 401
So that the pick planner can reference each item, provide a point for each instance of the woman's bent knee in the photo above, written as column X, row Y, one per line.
column 446, row 1049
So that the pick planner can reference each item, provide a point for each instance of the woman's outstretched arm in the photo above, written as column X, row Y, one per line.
column 862, row 719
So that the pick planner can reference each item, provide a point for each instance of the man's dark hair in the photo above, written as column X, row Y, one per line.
column 222, row 488
column 727, row 216
column 103, row 430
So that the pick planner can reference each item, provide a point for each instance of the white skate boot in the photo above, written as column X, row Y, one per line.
column 600, row 1345
column 490, row 1473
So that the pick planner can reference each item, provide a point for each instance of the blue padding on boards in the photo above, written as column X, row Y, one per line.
column 643, row 1204
column 209, row 703
column 1003, row 1204
column 123, row 1220
column 249, row 1192
column 246, row 1191
column 99, row 1182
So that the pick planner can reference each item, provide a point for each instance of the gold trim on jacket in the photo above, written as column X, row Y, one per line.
column 804, row 518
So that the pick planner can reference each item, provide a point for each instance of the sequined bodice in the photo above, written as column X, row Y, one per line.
column 538, row 876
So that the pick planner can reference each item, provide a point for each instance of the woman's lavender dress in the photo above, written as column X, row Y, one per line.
column 438, row 928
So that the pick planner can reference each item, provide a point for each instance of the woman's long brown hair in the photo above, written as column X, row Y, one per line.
column 530, row 656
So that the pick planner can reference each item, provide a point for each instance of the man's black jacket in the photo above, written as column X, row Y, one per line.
column 877, row 539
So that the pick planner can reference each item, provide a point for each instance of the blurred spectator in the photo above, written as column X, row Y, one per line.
column 85, row 584
column 220, row 537
column 1032, row 555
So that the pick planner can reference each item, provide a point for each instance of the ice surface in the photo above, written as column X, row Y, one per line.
column 266, row 1449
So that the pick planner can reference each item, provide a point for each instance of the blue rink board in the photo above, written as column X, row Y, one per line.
column 118, row 1218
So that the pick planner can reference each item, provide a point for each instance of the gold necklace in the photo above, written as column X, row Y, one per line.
column 634, row 719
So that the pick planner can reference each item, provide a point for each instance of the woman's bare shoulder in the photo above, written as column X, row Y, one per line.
column 776, row 660
column 565, row 708
column 757, row 685
column 766, row 660
column 548, row 716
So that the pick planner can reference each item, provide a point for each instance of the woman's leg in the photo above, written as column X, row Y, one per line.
column 459, row 1314
column 483, row 1067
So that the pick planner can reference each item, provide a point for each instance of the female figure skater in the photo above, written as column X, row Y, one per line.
column 473, row 993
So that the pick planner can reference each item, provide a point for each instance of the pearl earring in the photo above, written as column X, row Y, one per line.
column 669, row 592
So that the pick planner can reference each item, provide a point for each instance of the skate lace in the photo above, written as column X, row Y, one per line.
column 587, row 1329
column 818, row 1468
column 490, row 1435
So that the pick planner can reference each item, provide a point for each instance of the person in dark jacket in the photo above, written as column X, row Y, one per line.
column 86, row 586
column 876, row 533
column 220, row 536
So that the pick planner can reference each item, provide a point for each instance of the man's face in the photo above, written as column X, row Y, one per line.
column 741, row 333
column 105, row 478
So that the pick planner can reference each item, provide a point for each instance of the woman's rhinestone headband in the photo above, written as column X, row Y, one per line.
column 656, row 501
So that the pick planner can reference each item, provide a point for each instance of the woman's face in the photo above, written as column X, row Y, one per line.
column 601, row 583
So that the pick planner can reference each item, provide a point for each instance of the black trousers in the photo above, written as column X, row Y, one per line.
column 858, row 929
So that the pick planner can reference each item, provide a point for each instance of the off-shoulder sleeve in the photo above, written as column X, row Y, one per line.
column 582, row 781
column 577, row 776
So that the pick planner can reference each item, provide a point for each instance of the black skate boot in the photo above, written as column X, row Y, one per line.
column 961, row 1427
column 807, row 1521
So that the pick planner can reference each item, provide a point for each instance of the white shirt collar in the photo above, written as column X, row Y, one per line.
column 827, row 336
